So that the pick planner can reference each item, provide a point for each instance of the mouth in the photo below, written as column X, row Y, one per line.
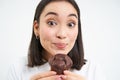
column 60, row 45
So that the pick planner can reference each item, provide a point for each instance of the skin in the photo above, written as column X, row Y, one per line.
column 57, row 30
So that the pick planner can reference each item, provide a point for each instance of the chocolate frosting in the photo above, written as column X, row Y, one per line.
column 60, row 62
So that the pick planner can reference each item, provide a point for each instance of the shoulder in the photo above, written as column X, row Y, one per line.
column 20, row 63
column 16, row 68
column 91, row 70
column 89, row 66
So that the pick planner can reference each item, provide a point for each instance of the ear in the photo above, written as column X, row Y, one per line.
column 36, row 28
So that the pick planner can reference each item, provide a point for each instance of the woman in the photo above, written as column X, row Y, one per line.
column 56, row 29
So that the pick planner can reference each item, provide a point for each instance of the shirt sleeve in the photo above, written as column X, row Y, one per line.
column 92, row 71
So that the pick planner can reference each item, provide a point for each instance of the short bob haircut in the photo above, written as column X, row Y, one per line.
column 35, row 52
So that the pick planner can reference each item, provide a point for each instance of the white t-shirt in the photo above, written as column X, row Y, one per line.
column 20, row 71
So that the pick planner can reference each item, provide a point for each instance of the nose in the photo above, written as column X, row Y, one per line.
column 61, row 33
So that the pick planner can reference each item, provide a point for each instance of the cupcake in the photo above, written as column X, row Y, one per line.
column 60, row 62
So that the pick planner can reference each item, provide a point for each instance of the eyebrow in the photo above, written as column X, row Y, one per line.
column 53, row 13
column 73, row 15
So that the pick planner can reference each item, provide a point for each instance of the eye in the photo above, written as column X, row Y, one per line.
column 51, row 23
column 71, row 24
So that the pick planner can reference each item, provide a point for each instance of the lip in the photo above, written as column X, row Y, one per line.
column 60, row 45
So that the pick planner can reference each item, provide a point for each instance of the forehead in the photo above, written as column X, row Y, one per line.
column 61, row 7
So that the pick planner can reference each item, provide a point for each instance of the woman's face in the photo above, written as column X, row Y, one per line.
column 58, row 27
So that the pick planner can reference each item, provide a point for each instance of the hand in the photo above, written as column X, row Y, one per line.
column 71, row 76
column 50, row 75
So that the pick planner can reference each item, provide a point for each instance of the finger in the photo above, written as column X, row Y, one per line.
column 55, row 77
column 66, row 72
column 42, row 75
column 68, row 77
column 64, row 77
column 72, row 76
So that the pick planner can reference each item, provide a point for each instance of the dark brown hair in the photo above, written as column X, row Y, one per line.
column 35, row 54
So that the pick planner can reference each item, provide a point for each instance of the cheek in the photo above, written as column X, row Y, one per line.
column 44, row 37
column 72, row 39
column 73, row 35
column 45, row 34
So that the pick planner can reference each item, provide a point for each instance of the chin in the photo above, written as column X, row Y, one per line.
column 54, row 52
column 61, row 52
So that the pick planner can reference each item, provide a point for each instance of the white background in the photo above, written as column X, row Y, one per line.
column 100, row 26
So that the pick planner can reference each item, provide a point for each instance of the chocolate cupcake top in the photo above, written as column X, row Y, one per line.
column 60, row 62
